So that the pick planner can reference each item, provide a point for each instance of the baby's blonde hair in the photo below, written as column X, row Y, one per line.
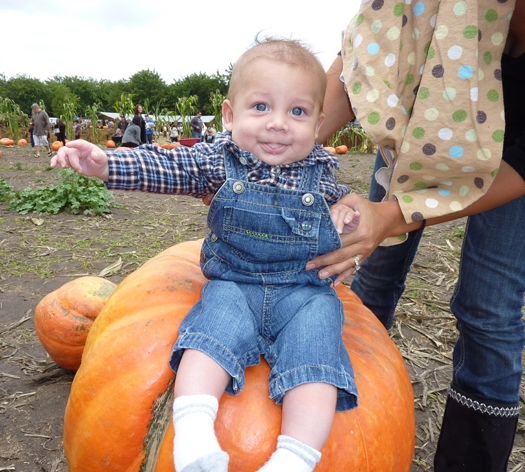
column 284, row 50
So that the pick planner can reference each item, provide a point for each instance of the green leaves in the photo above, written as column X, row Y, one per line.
column 6, row 191
column 74, row 192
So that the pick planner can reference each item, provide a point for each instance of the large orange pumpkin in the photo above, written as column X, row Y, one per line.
column 341, row 149
column 22, row 142
column 63, row 318
column 118, row 416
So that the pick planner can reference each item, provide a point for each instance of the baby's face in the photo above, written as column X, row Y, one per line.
column 276, row 112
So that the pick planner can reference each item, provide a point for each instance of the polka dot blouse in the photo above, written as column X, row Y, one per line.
column 424, row 79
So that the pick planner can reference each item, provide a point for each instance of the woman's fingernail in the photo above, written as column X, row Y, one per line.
column 323, row 274
column 310, row 266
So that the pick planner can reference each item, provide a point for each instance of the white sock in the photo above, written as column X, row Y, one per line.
column 195, row 446
column 292, row 455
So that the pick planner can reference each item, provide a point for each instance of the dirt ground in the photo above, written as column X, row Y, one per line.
column 39, row 253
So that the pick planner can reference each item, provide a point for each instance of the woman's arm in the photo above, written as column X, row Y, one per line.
column 385, row 219
column 337, row 107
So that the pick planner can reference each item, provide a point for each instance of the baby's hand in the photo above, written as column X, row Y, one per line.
column 84, row 157
column 344, row 217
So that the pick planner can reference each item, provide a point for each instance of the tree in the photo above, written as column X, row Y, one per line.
column 147, row 85
column 200, row 85
column 61, row 96
column 25, row 91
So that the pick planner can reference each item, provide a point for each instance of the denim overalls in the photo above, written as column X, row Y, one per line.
column 260, row 300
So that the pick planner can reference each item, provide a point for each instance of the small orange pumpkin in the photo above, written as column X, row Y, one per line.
column 125, row 386
column 174, row 145
column 165, row 146
column 0, row 154
column 156, row 144
column 63, row 318
column 330, row 149
column 341, row 149
column 57, row 145
column 22, row 142
column 110, row 144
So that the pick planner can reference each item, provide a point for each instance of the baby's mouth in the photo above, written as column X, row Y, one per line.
column 274, row 148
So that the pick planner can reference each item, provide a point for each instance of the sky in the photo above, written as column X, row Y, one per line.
column 112, row 40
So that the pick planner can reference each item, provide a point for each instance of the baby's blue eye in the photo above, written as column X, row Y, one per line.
column 261, row 107
column 297, row 111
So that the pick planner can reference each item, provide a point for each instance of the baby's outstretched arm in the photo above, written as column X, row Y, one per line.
column 345, row 218
column 84, row 157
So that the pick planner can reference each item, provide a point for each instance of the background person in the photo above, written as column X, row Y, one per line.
column 61, row 136
column 196, row 126
column 174, row 133
column 138, row 112
column 40, row 124
column 122, row 124
column 132, row 134
column 150, row 129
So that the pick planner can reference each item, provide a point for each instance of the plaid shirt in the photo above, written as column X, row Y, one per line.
column 199, row 170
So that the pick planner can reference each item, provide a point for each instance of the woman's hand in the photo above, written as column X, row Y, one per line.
column 378, row 221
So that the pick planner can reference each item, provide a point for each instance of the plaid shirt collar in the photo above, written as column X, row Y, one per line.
column 319, row 154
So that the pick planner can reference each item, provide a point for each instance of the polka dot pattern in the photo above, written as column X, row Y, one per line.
column 425, row 77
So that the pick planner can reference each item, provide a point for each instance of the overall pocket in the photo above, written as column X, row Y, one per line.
column 267, row 236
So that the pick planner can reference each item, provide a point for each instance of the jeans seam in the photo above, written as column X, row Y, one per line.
column 461, row 360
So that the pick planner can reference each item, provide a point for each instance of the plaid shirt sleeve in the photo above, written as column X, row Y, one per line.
column 195, row 171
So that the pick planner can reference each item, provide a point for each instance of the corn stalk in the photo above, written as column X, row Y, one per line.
column 217, row 100
column 336, row 139
column 158, row 123
column 361, row 142
column 186, row 108
column 92, row 113
column 14, row 117
column 354, row 137
column 125, row 106
column 69, row 116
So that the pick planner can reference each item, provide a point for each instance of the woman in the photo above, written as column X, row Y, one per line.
column 138, row 112
column 131, row 138
column 482, row 408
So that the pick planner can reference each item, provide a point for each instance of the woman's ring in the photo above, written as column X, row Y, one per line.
column 356, row 263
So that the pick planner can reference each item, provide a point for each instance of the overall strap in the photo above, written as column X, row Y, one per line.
column 234, row 168
column 311, row 177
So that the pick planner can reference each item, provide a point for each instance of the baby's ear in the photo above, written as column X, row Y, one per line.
column 227, row 115
column 319, row 123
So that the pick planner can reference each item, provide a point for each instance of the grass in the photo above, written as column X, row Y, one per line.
column 48, row 252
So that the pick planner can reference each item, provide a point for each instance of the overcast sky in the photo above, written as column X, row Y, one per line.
column 108, row 39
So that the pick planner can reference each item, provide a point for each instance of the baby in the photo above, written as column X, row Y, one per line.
column 275, row 208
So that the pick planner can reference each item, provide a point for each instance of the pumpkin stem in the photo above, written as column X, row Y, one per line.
column 160, row 420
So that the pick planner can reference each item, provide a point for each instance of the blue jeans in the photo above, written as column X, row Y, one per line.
column 297, row 328
column 487, row 300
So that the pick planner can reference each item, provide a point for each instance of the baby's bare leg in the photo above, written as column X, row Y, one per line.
column 199, row 385
column 308, row 414
column 199, row 374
